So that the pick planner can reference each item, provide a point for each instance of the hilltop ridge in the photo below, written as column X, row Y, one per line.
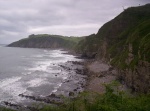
column 47, row 41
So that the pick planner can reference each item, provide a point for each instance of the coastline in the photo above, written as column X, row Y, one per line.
column 87, row 75
column 76, row 82
column 98, row 73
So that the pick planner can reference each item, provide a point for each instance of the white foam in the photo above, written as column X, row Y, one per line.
column 60, row 53
column 8, row 81
column 56, row 87
column 37, row 82
column 45, row 64
column 41, row 66
column 11, row 88
column 38, row 56
column 26, row 73
column 57, row 53
column 45, row 50
column 65, row 77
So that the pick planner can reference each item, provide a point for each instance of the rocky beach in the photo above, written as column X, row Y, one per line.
column 84, row 75
column 70, row 87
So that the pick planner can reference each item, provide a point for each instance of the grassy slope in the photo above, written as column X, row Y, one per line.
column 109, row 101
column 5, row 109
column 130, row 27
column 86, row 44
column 140, row 41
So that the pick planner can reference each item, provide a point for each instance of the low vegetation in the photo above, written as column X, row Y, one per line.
column 131, row 27
column 112, row 100
column 5, row 109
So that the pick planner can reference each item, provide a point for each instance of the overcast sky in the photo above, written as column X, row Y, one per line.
column 20, row 18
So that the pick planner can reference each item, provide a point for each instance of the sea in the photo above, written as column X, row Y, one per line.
column 32, row 71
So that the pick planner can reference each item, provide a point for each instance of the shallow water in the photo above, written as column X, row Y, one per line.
column 32, row 72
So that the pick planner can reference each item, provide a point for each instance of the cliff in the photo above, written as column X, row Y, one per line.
column 46, row 41
column 124, row 42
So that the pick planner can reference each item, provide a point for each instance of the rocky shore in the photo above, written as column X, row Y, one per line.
column 71, row 87
column 100, row 73
column 87, row 75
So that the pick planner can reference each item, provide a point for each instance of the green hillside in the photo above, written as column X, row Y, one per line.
column 47, row 41
column 124, row 42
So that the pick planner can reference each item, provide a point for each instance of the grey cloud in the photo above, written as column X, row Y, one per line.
column 64, row 17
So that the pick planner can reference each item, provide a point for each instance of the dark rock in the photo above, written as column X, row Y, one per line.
column 68, row 81
column 71, row 93
column 111, row 68
column 11, row 104
column 52, row 95
column 75, row 90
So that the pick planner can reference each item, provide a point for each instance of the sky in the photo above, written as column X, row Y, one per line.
column 20, row 18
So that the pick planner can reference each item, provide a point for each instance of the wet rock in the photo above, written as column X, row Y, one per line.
column 75, row 90
column 65, row 67
column 76, row 62
column 78, row 71
column 52, row 95
column 71, row 93
column 78, row 87
column 110, row 69
column 51, row 99
column 11, row 104
column 21, row 95
column 32, row 108
column 68, row 81
column 100, row 76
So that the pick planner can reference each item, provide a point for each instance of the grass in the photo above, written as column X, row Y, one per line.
column 112, row 41
column 112, row 100
column 5, row 109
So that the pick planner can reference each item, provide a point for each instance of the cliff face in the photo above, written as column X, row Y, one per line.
column 124, row 42
column 46, row 41
column 87, row 46
column 133, row 63
column 138, row 79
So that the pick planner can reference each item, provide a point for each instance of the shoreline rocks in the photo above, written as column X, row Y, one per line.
column 77, row 76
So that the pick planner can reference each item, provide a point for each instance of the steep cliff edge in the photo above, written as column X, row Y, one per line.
column 124, row 42
column 46, row 41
